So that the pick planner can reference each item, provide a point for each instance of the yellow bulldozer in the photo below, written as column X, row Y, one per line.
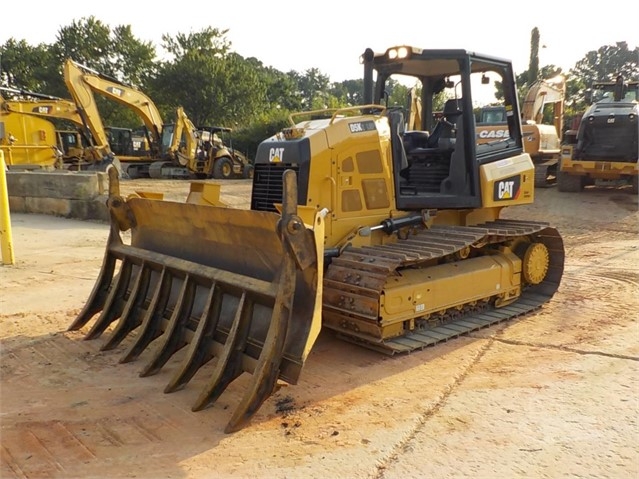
column 391, row 239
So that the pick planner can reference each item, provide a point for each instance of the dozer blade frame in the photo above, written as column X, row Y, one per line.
column 186, row 281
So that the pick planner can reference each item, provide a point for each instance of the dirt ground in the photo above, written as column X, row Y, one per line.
column 554, row 394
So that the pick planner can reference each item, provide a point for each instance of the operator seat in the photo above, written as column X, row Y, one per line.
column 446, row 124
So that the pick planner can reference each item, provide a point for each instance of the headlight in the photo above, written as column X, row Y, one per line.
column 398, row 52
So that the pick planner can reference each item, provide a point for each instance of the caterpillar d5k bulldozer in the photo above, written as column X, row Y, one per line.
column 390, row 238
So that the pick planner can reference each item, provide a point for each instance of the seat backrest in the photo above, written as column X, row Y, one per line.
column 446, row 124
column 452, row 109
column 415, row 139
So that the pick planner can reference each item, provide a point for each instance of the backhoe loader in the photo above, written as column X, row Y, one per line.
column 177, row 150
column 390, row 239
column 542, row 140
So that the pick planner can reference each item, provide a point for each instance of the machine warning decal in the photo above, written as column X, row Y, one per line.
column 507, row 189
column 361, row 126
column 276, row 155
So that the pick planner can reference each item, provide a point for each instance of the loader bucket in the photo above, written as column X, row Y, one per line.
column 236, row 287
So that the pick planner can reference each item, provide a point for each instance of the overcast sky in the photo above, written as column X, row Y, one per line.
column 331, row 35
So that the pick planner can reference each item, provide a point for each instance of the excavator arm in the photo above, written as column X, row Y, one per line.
column 83, row 97
column 43, row 105
column 83, row 82
column 542, row 93
column 184, row 143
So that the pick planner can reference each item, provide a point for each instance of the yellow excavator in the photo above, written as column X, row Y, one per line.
column 541, row 140
column 391, row 239
column 86, row 147
column 177, row 150
column 27, row 141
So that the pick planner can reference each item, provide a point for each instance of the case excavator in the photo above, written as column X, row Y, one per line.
column 390, row 239
column 542, row 139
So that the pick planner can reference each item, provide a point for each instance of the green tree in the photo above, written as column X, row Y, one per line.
column 533, row 64
column 312, row 87
column 281, row 88
column 603, row 64
column 115, row 53
column 26, row 67
column 607, row 62
column 214, row 85
column 209, row 42
column 348, row 92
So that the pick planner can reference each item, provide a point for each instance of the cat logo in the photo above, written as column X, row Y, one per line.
column 115, row 91
column 43, row 110
column 507, row 189
column 276, row 155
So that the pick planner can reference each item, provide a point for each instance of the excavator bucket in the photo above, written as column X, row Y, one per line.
column 238, row 288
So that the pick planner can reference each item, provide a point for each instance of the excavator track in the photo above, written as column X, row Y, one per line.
column 356, row 279
column 546, row 174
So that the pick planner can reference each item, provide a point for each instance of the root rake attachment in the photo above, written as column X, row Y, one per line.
column 236, row 287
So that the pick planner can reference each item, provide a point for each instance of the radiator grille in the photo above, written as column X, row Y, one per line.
column 267, row 185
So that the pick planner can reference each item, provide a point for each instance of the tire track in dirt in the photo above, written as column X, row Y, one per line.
column 395, row 455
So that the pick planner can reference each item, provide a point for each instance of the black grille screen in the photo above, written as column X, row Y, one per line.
column 609, row 141
column 267, row 185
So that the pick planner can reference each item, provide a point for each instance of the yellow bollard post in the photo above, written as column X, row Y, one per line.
column 6, row 242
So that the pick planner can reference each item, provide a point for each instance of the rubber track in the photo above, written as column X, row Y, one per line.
column 437, row 242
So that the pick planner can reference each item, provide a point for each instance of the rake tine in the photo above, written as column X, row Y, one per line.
column 229, row 364
column 267, row 369
column 152, row 317
column 113, row 304
column 130, row 317
column 100, row 291
column 173, row 337
column 198, row 349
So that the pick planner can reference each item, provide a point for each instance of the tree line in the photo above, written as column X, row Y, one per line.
column 217, row 86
